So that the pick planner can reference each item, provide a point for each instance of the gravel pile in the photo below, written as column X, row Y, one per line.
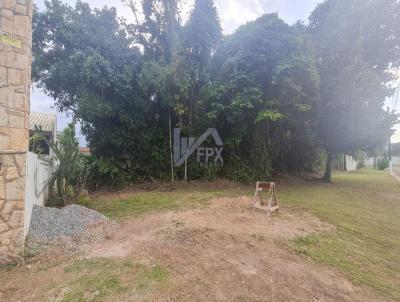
column 73, row 223
column 50, row 223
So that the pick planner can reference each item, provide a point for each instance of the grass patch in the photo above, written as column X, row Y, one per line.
column 101, row 278
column 363, row 205
column 54, row 202
column 154, row 275
column 146, row 202
column 365, row 208
column 93, row 288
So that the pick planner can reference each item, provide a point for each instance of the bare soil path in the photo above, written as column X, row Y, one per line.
column 224, row 253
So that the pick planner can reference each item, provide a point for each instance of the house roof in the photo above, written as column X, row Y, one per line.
column 46, row 120
column 85, row 150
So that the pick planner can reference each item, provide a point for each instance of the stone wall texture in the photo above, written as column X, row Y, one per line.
column 15, row 75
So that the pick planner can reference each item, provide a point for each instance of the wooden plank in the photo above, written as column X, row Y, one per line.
column 274, row 208
column 264, row 185
column 260, row 207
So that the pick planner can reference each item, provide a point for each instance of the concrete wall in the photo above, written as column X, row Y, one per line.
column 38, row 175
column 15, row 75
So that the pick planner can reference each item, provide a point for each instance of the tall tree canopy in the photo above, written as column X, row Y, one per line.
column 356, row 42
column 85, row 61
column 263, row 95
column 276, row 93
column 157, row 27
column 201, row 36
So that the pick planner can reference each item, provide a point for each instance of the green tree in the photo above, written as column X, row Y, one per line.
column 158, row 31
column 85, row 61
column 157, row 28
column 201, row 36
column 262, row 97
column 356, row 42
column 130, row 84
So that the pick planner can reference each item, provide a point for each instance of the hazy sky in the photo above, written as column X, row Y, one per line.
column 233, row 13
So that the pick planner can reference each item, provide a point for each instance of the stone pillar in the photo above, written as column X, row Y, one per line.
column 15, row 77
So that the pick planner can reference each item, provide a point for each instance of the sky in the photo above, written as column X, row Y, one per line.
column 232, row 13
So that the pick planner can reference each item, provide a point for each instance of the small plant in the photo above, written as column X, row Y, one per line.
column 211, row 173
column 36, row 141
column 71, row 167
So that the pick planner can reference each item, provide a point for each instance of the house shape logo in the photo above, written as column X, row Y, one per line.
column 184, row 147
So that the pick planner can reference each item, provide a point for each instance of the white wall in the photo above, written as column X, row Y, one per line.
column 396, row 160
column 38, row 175
column 351, row 163
column 396, row 167
column 370, row 162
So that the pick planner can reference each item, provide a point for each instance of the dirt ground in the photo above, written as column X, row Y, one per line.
column 217, row 253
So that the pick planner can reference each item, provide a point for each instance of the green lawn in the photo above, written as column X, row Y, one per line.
column 98, row 279
column 146, row 202
column 364, row 206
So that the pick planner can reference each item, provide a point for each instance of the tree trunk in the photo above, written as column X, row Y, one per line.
column 328, row 168
column 191, row 106
column 170, row 145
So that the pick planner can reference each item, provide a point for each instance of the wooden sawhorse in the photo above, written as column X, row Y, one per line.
column 270, row 205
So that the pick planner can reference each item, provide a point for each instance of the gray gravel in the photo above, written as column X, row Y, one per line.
column 50, row 223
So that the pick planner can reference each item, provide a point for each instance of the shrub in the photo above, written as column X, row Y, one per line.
column 71, row 169
column 382, row 164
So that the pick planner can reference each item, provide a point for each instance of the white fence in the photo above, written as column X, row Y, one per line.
column 351, row 163
column 396, row 166
column 38, row 175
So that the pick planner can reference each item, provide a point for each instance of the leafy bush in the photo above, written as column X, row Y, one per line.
column 37, row 144
column 239, row 171
column 382, row 163
column 211, row 173
column 105, row 172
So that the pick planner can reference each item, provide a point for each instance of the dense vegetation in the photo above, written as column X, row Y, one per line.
column 277, row 94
